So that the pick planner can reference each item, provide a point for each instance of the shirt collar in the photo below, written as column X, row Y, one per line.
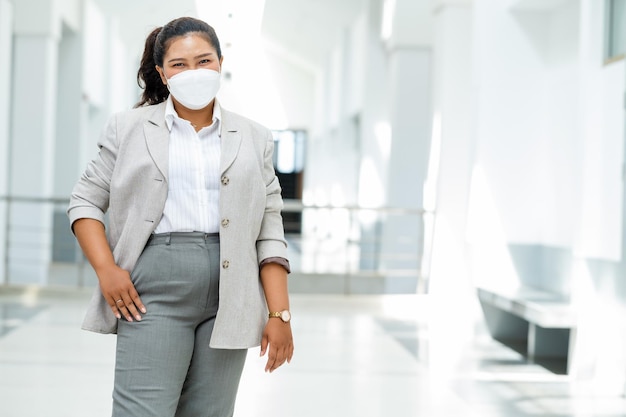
column 171, row 115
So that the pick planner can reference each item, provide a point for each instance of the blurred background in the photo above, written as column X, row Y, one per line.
column 465, row 152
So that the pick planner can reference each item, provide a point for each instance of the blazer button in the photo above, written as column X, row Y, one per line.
column 225, row 180
column 225, row 222
column 226, row 264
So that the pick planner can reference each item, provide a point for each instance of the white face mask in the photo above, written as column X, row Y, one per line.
column 194, row 89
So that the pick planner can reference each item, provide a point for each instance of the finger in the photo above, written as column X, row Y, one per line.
column 263, row 345
column 271, row 360
column 137, row 300
column 131, row 309
column 114, row 308
column 282, row 358
column 290, row 356
column 278, row 359
column 124, row 311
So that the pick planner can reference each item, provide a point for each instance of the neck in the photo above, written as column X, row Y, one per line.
column 198, row 118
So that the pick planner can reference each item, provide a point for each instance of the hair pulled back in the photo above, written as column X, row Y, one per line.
column 157, row 42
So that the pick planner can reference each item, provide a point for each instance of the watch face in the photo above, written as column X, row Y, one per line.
column 285, row 315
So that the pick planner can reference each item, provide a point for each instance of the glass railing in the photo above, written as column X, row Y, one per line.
column 331, row 249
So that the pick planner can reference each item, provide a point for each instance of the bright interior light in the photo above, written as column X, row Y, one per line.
column 389, row 8
column 286, row 152
column 251, row 89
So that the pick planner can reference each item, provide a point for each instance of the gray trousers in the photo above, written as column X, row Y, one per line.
column 164, row 365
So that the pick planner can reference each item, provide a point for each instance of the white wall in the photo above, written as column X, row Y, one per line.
column 511, row 121
column 548, row 181
column 109, row 73
column 70, row 12
column 33, row 127
column 375, row 129
column 549, row 126
column 6, row 29
column 96, row 63
column 68, row 111
column 58, row 108
column 6, row 45
column 510, row 196
column 296, row 88
column 342, row 93
column 452, row 151
column 563, row 154
column 602, row 134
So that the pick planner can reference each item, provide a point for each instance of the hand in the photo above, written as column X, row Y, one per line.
column 278, row 336
column 120, row 293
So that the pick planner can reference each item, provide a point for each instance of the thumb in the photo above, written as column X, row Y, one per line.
column 264, row 343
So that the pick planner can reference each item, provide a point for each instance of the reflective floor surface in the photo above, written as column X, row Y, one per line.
column 365, row 356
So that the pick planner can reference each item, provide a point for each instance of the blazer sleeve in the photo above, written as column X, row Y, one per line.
column 90, row 196
column 271, row 241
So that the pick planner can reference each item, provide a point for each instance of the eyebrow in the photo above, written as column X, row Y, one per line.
column 195, row 57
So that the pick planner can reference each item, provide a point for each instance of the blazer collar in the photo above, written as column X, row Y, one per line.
column 157, row 138
column 231, row 139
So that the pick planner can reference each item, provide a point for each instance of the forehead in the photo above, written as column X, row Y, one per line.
column 191, row 43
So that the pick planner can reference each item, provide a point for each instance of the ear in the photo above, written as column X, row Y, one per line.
column 162, row 74
column 221, row 60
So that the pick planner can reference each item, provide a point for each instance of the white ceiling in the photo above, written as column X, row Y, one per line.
column 301, row 30
column 306, row 30
column 137, row 18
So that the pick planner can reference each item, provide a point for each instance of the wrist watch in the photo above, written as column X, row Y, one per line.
column 284, row 315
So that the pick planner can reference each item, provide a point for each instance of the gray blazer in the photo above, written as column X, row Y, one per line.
column 129, row 179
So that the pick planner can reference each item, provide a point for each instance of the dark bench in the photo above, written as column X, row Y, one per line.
column 543, row 322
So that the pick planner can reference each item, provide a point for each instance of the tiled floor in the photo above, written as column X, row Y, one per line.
column 365, row 356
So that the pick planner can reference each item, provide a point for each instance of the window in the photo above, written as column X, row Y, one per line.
column 289, row 150
column 616, row 29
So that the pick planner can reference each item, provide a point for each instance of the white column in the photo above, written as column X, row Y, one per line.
column 71, row 114
column 6, row 34
column 374, row 136
column 32, row 140
column 374, row 140
column 448, row 185
column 409, row 60
column 453, row 148
column 410, row 126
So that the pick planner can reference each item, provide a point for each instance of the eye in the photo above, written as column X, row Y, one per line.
column 205, row 61
column 177, row 64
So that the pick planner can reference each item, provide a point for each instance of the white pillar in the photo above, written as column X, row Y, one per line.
column 453, row 148
column 374, row 119
column 6, row 35
column 71, row 113
column 32, row 140
column 410, row 110
column 449, row 185
column 374, row 135
column 409, row 60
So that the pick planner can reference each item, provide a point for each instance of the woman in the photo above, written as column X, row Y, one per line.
column 194, row 270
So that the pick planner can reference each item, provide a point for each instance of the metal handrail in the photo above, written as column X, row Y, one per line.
column 34, row 199
column 368, row 255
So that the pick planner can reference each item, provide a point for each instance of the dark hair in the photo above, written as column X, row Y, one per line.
column 157, row 42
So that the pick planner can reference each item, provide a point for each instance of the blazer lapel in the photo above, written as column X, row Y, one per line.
column 230, row 143
column 157, row 139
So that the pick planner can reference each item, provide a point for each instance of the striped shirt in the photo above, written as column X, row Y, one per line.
column 192, row 203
